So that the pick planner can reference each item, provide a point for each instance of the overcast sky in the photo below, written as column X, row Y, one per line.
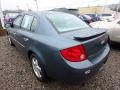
column 48, row 4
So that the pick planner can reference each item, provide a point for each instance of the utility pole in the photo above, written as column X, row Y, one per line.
column 1, row 16
column 36, row 1
column 27, row 6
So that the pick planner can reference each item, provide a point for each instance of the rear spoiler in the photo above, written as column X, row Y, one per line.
column 87, row 38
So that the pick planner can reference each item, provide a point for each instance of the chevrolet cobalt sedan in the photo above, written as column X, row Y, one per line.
column 59, row 45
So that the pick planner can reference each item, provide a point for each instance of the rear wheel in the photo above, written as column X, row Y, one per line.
column 38, row 68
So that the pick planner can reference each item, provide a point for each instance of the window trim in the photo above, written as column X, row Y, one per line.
column 32, row 23
column 25, row 29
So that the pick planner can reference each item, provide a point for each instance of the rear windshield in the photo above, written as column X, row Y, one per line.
column 66, row 22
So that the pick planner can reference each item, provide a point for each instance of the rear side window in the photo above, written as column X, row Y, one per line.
column 27, row 22
column 17, row 21
column 34, row 24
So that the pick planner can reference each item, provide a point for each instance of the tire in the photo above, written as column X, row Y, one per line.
column 10, row 41
column 38, row 68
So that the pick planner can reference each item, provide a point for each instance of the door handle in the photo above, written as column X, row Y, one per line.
column 25, row 39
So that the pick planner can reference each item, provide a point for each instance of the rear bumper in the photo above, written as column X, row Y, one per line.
column 84, row 73
column 73, row 71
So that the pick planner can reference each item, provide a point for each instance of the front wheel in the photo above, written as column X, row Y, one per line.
column 38, row 68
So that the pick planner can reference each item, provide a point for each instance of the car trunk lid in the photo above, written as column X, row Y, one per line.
column 94, row 40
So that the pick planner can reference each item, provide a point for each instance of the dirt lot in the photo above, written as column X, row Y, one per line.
column 16, row 73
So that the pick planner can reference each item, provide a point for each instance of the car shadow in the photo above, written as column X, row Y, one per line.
column 115, row 46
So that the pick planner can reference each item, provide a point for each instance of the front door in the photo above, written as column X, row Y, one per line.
column 13, row 30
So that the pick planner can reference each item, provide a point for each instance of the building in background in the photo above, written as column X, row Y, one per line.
column 91, row 10
column 114, row 10
column 96, row 10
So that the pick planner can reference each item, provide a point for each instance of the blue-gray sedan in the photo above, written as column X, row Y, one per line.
column 59, row 45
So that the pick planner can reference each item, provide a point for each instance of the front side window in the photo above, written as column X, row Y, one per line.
column 27, row 21
column 66, row 22
column 17, row 21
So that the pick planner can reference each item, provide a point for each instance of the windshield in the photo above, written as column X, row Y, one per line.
column 11, row 15
column 66, row 22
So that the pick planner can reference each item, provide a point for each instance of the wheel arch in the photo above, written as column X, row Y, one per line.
column 38, row 54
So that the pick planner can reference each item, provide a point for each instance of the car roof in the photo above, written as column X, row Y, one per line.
column 60, row 10
column 66, row 10
column 42, row 13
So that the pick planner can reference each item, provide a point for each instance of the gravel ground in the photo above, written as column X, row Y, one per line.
column 16, row 73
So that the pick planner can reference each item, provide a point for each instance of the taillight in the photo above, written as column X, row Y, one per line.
column 74, row 54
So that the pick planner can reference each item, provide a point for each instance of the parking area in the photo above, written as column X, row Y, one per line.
column 16, row 73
